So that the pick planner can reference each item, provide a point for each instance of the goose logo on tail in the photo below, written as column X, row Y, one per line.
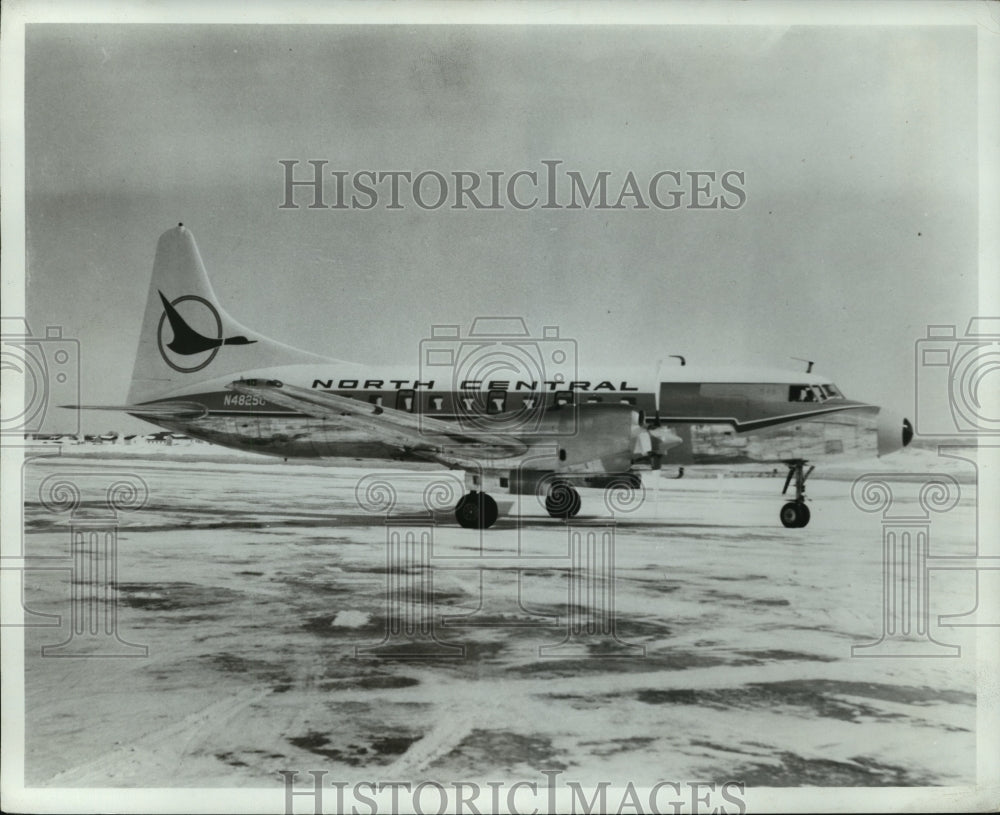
column 190, row 341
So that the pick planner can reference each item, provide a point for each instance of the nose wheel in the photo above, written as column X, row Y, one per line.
column 476, row 510
column 795, row 514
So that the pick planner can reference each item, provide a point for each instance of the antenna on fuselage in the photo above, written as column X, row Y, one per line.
column 678, row 356
column 809, row 363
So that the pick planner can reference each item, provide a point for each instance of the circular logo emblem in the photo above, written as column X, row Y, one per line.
column 193, row 329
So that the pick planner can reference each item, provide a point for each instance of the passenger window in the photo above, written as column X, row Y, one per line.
column 496, row 401
column 405, row 400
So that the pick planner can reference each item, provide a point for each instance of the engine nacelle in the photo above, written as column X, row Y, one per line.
column 589, row 438
column 537, row 482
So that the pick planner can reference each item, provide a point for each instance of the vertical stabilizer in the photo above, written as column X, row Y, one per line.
column 186, row 335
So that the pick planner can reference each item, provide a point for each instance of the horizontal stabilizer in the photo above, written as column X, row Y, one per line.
column 163, row 410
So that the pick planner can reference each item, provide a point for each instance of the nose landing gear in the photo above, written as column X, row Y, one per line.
column 795, row 514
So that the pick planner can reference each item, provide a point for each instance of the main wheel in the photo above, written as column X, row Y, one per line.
column 562, row 501
column 477, row 510
column 794, row 515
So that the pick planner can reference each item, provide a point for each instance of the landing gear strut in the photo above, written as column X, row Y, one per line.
column 562, row 501
column 476, row 510
column 795, row 514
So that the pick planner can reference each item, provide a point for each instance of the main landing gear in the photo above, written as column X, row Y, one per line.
column 562, row 501
column 476, row 510
column 795, row 514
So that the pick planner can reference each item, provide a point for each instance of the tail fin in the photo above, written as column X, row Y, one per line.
column 186, row 334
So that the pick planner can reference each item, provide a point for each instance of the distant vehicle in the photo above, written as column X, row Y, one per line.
column 544, row 429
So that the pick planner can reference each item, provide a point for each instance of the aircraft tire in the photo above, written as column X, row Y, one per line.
column 476, row 510
column 563, row 501
column 794, row 515
column 576, row 503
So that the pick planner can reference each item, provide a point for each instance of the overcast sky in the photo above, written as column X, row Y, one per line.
column 858, row 148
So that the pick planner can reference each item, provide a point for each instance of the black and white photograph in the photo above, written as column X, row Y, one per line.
column 508, row 407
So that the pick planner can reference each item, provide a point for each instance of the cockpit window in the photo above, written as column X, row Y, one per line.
column 813, row 393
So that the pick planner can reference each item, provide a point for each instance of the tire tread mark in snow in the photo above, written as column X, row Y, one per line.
column 164, row 749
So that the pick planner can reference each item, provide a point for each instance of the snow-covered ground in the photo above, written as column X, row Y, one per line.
column 259, row 590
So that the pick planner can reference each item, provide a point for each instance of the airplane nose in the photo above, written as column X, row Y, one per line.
column 894, row 432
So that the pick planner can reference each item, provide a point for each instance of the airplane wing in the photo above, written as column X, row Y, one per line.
column 161, row 410
column 447, row 442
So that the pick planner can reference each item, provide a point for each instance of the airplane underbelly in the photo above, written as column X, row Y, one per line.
column 289, row 437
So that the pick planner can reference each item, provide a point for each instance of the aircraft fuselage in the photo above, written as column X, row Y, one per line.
column 773, row 417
